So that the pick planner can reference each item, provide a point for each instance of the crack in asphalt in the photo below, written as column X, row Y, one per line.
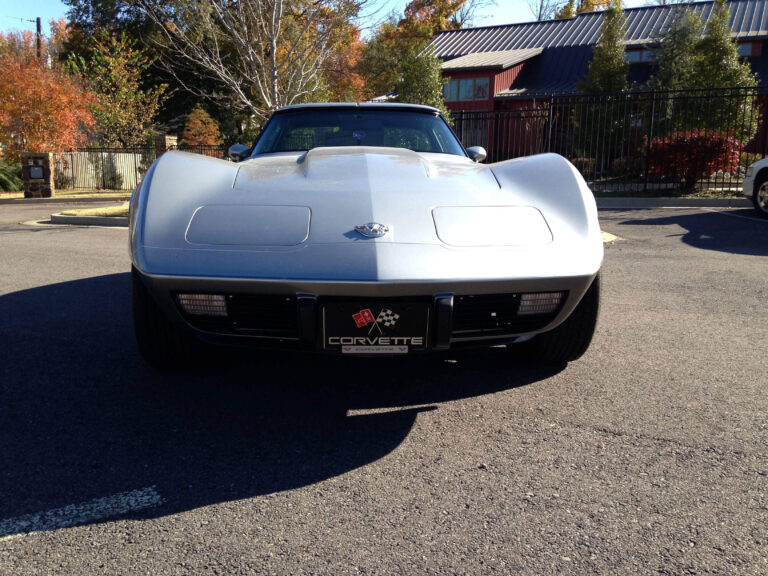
column 661, row 440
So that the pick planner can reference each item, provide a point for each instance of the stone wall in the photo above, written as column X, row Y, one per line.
column 164, row 142
column 37, row 174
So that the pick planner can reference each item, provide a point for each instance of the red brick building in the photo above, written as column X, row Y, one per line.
column 508, row 67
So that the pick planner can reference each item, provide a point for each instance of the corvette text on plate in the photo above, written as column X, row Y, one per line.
column 375, row 341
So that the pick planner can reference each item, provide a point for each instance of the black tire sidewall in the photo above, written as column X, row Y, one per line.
column 761, row 179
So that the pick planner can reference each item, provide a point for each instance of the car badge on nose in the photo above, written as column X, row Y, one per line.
column 372, row 230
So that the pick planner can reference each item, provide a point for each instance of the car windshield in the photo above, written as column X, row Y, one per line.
column 304, row 129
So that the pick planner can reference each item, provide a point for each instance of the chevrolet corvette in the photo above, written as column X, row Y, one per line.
column 363, row 229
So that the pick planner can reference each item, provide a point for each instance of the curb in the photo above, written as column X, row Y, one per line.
column 64, row 200
column 664, row 202
column 90, row 220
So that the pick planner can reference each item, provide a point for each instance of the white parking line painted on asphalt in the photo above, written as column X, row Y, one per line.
column 753, row 218
column 76, row 514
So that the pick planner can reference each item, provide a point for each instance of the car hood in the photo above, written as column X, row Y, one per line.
column 293, row 215
column 361, row 170
column 321, row 195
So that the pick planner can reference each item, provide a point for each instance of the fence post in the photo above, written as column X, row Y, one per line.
column 549, row 129
column 103, row 180
column 648, row 144
column 761, row 121
column 135, row 168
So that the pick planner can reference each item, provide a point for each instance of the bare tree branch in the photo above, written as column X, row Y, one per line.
column 543, row 9
column 466, row 14
column 663, row 2
column 262, row 53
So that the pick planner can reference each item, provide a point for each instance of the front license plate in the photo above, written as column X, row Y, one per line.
column 375, row 327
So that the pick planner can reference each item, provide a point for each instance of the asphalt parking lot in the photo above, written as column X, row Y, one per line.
column 647, row 456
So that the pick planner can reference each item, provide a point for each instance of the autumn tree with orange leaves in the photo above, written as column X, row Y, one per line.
column 23, row 44
column 398, row 40
column 425, row 18
column 201, row 130
column 339, row 71
column 19, row 44
column 41, row 109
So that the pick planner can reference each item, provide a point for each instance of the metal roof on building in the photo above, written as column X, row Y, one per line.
column 645, row 25
column 557, row 71
column 560, row 71
column 490, row 60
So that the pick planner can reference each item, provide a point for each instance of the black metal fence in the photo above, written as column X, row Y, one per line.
column 205, row 150
column 635, row 142
column 113, row 168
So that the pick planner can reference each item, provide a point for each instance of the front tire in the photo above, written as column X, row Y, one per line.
column 162, row 344
column 570, row 340
column 760, row 195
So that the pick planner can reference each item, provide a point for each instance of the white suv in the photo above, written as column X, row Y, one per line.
column 756, row 186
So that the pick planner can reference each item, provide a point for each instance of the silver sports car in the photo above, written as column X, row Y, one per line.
column 363, row 229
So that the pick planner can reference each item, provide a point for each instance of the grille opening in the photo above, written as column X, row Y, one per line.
column 266, row 316
column 498, row 314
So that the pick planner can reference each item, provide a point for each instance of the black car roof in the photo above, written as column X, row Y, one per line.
column 360, row 105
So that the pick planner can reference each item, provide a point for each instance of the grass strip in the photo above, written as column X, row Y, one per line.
column 111, row 211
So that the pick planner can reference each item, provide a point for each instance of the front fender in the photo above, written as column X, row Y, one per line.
column 175, row 185
column 553, row 185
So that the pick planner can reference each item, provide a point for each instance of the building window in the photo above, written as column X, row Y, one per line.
column 466, row 89
column 745, row 49
column 481, row 89
column 634, row 56
column 451, row 91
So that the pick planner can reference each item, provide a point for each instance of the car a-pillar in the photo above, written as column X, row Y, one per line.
column 37, row 174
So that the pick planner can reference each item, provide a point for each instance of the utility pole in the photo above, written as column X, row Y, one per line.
column 39, row 39
column 38, row 36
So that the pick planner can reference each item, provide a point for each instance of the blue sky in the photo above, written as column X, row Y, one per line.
column 13, row 14
column 504, row 12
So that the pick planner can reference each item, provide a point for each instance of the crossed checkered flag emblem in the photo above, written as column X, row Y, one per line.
column 387, row 317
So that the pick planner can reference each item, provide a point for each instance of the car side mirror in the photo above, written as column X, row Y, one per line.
column 239, row 152
column 477, row 153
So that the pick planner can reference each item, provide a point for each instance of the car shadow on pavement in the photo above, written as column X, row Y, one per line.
column 83, row 417
column 733, row 231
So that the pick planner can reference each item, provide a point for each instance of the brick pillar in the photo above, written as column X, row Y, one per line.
column 163, row 143
column 37, row 174
column 160, row 146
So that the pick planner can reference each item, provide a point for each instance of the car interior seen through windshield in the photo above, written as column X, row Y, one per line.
column 301, row 130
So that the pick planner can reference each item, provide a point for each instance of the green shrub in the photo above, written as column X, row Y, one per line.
column 107, row 175
column 630, row 166
column 584, row 165
column 61, row 180
column 749, row 158
column 10, row 177
column 61, row 172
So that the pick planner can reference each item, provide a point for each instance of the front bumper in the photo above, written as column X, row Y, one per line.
column 460, row 313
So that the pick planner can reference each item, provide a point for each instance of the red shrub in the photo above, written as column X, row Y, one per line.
column 694, row 154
